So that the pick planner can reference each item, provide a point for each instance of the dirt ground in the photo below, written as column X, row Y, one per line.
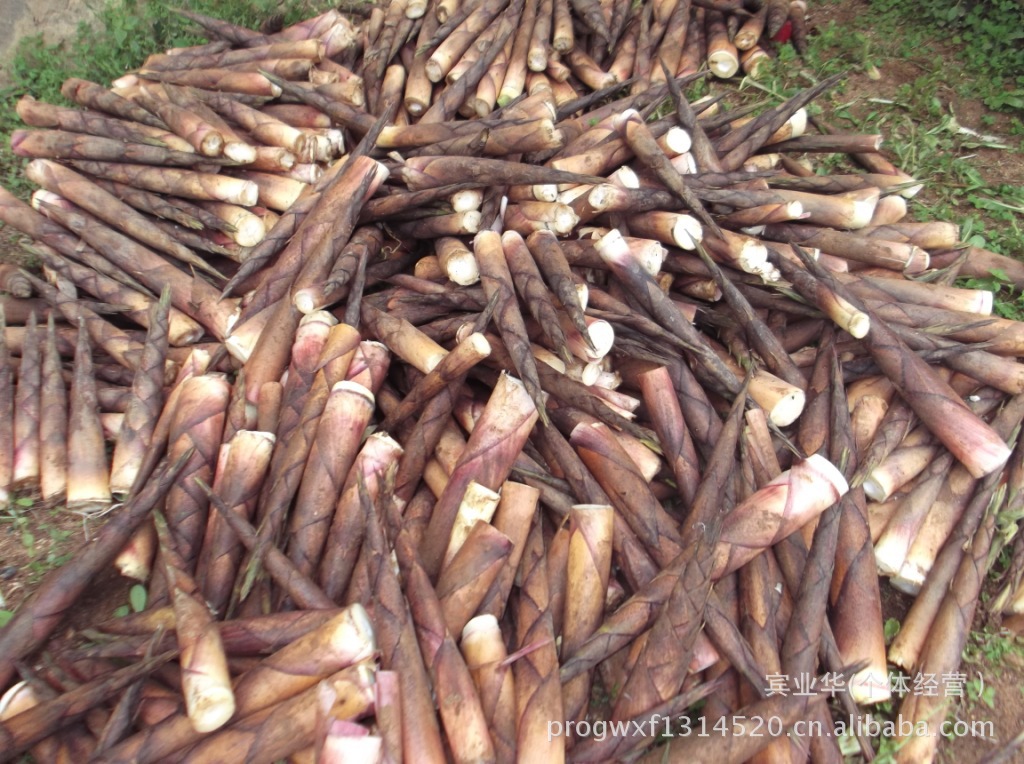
column 31, row 542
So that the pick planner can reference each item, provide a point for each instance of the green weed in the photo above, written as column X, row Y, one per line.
column 891, row 629
column 992, row 647
column 137, row 598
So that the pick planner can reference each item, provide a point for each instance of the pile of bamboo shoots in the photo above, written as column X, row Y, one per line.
column 456, row 401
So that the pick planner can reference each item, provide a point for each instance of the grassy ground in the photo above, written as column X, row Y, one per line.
column 944, row 85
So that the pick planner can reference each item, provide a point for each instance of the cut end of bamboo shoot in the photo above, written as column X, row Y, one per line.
column 626, row 177
column 135, row 561
column 783, row 402
column 752, row 255
column 480, row 626
column 723, row 63
column 545, row 192
column 870, row 686
column 602, row 338
column 909, row 579
column 305, row 301
column 249, row 231
column 353, row 638
column 877, row 489
column 687, row 233
column 864, row 203
column 467, row 200
column 211, row 708
column 676, row 140
column 824, row 469
column 457, row 261
column 477, row 344
column 858, row 324
column 984, row 451
column 984, row 301
column 20, row 697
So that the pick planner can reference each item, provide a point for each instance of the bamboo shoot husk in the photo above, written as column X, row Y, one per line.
column 589, row 567
column 367, row 476
column 515, row 509
column 53, row 422
column 88, row 475
column 538, row 694
column 341, row 426
column 197, row 425
column 279, row 731
column 206, row 685
column 26, row 410
column 236, row 483
column 144, row 407
column 795, row 501
column 467, row 577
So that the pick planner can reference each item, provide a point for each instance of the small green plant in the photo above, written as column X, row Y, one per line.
column 992, row 647
column 54, row 557
column 137, row 598
column 16, row 517
column 988, row 650
column 891, row 629
column 838, row 49
column 977, row 692
column 886, row 753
